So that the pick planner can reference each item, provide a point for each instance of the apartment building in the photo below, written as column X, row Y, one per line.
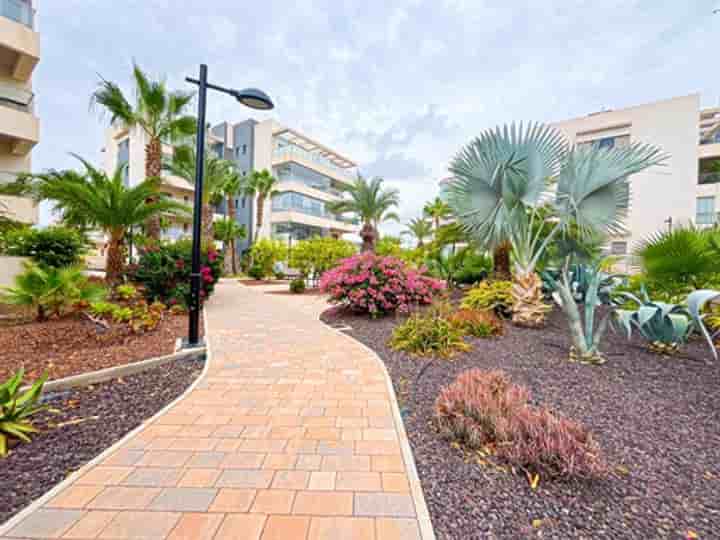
column 19, row 126
column 686, row 189
column 310, row 175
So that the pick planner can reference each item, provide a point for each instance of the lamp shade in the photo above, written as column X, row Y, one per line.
column 254, row 98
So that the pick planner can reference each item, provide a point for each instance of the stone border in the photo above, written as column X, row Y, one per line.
column 69, row 480
column 423, row 515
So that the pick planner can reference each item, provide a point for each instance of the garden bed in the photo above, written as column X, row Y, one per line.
column 83, row 422
column 75, row 345
column 656, row 418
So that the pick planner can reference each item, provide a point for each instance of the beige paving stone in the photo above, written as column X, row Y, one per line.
column 232, row 500
column 323, row 503
column 242, row 461
column 199, row 478
column 245, row 478
column 124, row 498
column 153, row 477
column 280, row 461
column 273, row 501
column 198, row 526
column 286, row 528
column 90, row 525
column 206, row 460
column 346, row 463
column 136, row 525
column 241, row 526
column 345, row 528
column 75, row 497
column 358, row 481
column 46, row 523
column 184, row 499
column 322, row 481
column 395, row 482
column 397, row 529
column 384, row 505
column 164, row 459
column 308, row 462
column 387, row 464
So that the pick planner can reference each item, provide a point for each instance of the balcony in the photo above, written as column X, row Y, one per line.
column 311, row 160
column 708, row 178
column 330, row 222
column 19, row 43
column 18, row 126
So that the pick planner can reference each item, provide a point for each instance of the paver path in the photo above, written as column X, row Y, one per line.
column 292, row 434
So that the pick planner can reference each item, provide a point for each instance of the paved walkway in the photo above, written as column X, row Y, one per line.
column 292, row 434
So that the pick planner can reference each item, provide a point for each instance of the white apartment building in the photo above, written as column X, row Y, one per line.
column 19, row 127
column 310, row 175
column 686, row 189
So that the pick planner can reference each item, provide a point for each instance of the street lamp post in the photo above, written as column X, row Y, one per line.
column 250, row 97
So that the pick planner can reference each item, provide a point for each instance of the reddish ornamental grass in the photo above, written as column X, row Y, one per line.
column 484, row 408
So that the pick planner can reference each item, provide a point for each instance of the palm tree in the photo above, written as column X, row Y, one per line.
column 371, row 203
column 216, row 174
column 101, row 202
column 261, row 184
column 234, row 184
column 437, row 210
column 501, row 182
column 227, row 230
column 419, row 229
column 157, row 111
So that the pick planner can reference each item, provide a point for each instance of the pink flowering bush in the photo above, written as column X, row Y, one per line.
column 378, row 285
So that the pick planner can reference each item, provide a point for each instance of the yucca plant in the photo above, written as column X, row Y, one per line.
column 585, row 334
column 16, row 409
column 665, row 326
column 502, row 182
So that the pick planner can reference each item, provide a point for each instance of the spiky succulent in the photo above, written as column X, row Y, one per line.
column 16, row 408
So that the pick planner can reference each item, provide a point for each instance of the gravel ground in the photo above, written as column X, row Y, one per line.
column 94, row 418
column 656, row 418
column 74, row 345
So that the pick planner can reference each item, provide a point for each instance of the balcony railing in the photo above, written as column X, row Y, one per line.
column 709, row 178
column 19, row 11
column 16, row 98
column 289, row 152
column 314, row 185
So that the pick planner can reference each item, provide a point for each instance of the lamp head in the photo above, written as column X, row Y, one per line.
column 254, row 98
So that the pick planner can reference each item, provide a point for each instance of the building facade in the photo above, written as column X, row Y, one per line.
column 19, row 126
column 309, row 176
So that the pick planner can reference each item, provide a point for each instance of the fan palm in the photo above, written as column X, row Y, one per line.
column 419, row 229
column 157, row 111
column 502, row 180
column 103, row 202
column 217, row 171
column 227, row 230
column 437, row 210
column 372, row 204
column 261, row 184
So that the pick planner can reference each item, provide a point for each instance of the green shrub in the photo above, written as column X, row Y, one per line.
column 53, row 246
column 126, row 292
column 164, row 272
column 122, row 314
column 264, row 254
column 52, row 291
column 475, row 268
column 101, row 309
column 389, row 246
column 490, row 295
column 429, row 334
column 317, row 255
column 16, row 409
column 297, row 286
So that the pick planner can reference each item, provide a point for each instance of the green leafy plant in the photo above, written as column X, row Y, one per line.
column 265, row 253
column 665, row 326
column 500, row 189
column 490, row 295
column 53, row 246
column 51, row 291
column 102, row 309
column 126, row 292
column 227, row 230
column 446, row 265
column 260, row 185
column 597, row 287
column 482, row 324
column 389, row 246
column 429, row 334
column 475, row 268
column 16, row 409
column 419, row 229
column 315, row 256
column 297, row 286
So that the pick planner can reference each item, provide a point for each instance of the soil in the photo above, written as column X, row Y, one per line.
column 80, row 423
column 75, row 345
column 656, row 418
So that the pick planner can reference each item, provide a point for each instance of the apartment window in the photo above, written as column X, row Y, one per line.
column 606, row 142
column 123, row 158
column 618, row 248
column 186, row 198
column 243, row 202
column 244, row 149
column 705, row 211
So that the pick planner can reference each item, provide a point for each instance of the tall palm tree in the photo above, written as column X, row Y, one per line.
column 501, row 183
column 372, row 204
column 216, row 174
column 158, row 112
column 103, row 202
column 234, row 185
column 260, row 184
column 419, row 229
column 437, row 210
column 227, row 230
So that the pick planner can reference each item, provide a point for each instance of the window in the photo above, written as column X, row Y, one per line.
column 244, row 149
column 243, row 202
column 705, row 211
column 618, row 248
column 606, row 142
column 186, row 198
column 123, row 158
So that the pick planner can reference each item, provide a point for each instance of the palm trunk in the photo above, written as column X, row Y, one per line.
column 501, row 261
column 115, row 257
column 369, row 236
column 153, row 167
column 529, row 309
column 231, row 213
column 260, row 214
column 207, row 224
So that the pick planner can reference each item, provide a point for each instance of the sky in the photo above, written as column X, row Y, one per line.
column 397, row 85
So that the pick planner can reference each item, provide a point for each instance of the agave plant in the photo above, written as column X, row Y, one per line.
column 16, row 409
column 502, row 186
column 696, row 302
column 589, row 288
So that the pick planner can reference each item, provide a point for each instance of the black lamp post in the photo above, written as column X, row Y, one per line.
column 250, row 97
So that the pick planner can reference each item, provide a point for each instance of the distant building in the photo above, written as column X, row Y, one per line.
column 19, row 127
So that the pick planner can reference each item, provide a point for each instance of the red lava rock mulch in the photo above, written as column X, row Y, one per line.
column 656, row 418
column 75, row 345
column 80, row 423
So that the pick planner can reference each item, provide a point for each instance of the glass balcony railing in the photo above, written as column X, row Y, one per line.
column 16, row 98
column 20, row 11
column 291, row 151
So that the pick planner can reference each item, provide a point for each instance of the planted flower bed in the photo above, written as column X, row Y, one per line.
column 653, row 417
